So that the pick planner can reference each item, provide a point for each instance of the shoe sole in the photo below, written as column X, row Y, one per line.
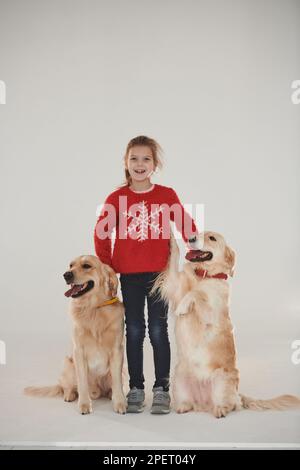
column 135, row 409
column 159, row 412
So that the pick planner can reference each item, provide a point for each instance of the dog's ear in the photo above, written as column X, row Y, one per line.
column 110, row 281
column 230, row 259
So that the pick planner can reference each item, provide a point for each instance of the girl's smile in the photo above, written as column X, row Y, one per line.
column 140, row 163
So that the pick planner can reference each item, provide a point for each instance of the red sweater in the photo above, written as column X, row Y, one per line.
column 142, row 222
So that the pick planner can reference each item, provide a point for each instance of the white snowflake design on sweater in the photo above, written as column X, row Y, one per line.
column 140, row 223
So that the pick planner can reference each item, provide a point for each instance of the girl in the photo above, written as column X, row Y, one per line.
column 140, row 212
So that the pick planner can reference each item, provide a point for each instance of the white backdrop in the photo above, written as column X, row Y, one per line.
column 211, row 82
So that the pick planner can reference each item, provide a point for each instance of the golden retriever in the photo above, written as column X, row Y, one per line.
column 206, row 375
column 95, row 369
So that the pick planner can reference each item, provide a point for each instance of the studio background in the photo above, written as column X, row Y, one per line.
column 211, row 82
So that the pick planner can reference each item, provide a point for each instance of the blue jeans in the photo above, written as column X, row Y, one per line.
column 135, row 289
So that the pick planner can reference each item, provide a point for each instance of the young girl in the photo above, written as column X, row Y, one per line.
column 140, row 213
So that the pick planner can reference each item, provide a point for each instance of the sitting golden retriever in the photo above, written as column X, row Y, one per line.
column 95, row 369
column 206, row 375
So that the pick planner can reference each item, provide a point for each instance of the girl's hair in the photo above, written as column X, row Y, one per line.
column 155, row 149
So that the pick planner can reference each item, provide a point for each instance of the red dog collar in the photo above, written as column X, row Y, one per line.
column 203, row 274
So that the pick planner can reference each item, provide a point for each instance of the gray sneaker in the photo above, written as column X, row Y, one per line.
column 161, row 401
column 135, row 400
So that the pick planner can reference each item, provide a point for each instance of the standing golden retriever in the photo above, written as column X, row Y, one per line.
column 95, row 369
column 206, row 375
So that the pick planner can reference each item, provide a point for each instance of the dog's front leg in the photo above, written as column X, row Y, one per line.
column 116, row 366
column 84, row 401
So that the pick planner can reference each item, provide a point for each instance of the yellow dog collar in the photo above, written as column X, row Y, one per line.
column 110, row 301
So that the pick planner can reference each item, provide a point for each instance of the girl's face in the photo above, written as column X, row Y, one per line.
column 140, row 163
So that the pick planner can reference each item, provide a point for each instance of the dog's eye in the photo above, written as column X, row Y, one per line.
column 212, row 239
column 86, row 266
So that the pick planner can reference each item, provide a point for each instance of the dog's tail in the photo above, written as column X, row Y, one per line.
column 50, row 391
column 167, row 278
column 283, row 402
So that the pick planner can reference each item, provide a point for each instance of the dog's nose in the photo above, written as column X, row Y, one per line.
column 69, row 276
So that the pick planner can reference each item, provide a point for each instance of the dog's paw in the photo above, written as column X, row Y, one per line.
column 183, row 407
column 179, row 311
column 221, row 411
column 185, row 306
column 119, row 406
column 70, row 395
column 182, row 309
column 85, row 408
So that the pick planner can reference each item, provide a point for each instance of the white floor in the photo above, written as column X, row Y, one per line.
column 50, row 422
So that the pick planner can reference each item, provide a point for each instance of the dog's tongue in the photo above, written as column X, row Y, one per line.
column 192, row 254
column 74, row 289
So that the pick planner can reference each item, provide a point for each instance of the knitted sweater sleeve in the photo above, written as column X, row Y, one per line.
column 184, row 224
column 106, row 222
